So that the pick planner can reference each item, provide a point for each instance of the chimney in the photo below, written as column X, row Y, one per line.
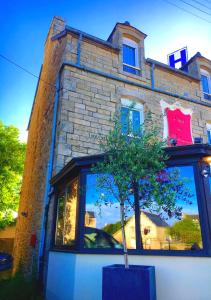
column 57, row 25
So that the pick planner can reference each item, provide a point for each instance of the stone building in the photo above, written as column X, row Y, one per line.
column 83, row 81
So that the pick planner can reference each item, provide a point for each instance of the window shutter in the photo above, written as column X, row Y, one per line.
column 124, row 119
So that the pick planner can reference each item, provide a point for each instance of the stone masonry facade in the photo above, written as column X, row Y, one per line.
column 92, row 84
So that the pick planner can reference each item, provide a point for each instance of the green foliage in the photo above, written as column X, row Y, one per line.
column 112, row 228
column 12, row 153
column 20, row 287
column 136, row 164
column 186, row 231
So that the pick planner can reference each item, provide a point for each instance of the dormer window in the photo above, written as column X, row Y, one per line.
column 206, row 84
column 130, row 57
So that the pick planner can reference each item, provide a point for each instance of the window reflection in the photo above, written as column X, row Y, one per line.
column 170, row 233
column 66, row 216
column 102, row 219
column 103, row 226
column 60, row 220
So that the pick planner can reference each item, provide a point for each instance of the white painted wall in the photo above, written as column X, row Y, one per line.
column 79, row 276
column 60, row 278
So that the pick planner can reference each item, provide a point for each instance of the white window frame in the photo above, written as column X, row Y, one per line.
column 208, row 75
column 136, row 106
column 134, row 45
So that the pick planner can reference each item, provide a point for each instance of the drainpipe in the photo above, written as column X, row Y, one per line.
column 153, row 76
column 44, row 220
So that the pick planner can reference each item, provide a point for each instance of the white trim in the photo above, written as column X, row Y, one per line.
column 136, row 68
column 176, row 105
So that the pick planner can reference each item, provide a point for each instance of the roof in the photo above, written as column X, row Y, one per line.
column 165, row 66
column 197, row 55
column 156, row 219
column 91, row 214
column 84, row 34
column 126, row 23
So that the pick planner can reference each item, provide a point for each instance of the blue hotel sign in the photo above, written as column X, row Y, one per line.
column 178, row 58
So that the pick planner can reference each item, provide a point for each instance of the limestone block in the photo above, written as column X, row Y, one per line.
column 66, row 126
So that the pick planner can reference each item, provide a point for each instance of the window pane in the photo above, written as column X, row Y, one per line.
column 102, row 218
column 60, row 220
column 205, row 84
column 66, row 216
column 209, row 136
column 124, row 119
column 136, row 121
column 131, row 70
column 171, row 233
column 130, row 121
column 70, row 214
column 129, row 55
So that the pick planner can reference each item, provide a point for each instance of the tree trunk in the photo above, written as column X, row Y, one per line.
column 122, row 214
column 138, row 213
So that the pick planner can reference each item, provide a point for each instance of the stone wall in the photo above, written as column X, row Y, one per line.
column 37, row 154
column 87, row 110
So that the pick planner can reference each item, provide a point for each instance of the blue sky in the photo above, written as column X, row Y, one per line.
column 24, row 25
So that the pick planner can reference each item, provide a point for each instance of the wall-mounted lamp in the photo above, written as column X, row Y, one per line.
column 207, row 159
column 173, row 142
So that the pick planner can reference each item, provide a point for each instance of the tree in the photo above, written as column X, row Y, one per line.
column 186, row 231
column 12, row 153
column 112, row 228
column 135, row 164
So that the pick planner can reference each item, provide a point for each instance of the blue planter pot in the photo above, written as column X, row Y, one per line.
column 135, row 283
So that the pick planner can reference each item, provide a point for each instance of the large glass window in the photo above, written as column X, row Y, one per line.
column 158, row 231
column 102, row 218
column 66, row 215
column 170, row 233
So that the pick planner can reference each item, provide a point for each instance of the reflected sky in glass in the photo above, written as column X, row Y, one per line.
column 105, row 214
column 110, row 213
